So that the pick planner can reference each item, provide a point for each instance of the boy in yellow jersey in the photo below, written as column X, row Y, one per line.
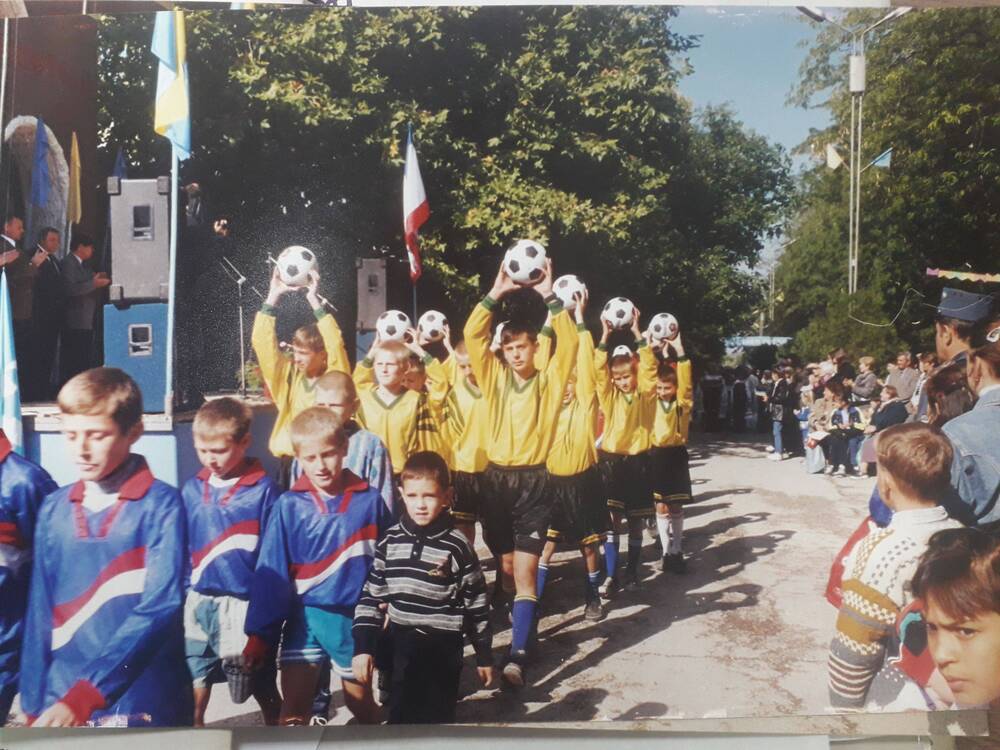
column 670, row 475
column 523, row 405
column 402, row 418
column 316, row 349
column 465, row 429
column 627, row 402
column 579, row 509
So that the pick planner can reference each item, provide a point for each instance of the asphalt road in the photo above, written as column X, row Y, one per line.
column 744, row 633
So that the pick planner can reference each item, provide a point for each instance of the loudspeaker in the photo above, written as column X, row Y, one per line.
column 140, row 239
column 135, row 340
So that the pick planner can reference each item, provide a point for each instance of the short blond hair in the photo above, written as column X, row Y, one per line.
column 223, row 417
column 868, row 362
column 318, row 423
column 918, row 456
column 103, row 391
column 395, row 349
column 309, row 337
column 337, row 381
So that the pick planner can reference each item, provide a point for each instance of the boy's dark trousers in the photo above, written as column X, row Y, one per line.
column 425, row 672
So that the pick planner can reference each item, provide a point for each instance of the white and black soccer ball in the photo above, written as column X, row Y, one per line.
column 294, row 265
column 663, row 326
column 622, row 350
column 618, row 312
column 524, row 262
column 392, row 325
column 432, row 324
column 566, row 288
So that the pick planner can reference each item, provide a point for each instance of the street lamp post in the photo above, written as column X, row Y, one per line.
column 856, row 86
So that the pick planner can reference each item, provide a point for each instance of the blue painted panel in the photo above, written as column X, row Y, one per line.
column 145, row 357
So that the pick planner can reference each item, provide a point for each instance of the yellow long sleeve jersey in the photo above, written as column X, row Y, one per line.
column 291, row 390
column 465, row 423
column 522, row 417
column 406, row 424
column 672, row 419
column 628, row 418
column 573, row 450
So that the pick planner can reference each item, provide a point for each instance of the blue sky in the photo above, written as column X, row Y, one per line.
column 749, row 57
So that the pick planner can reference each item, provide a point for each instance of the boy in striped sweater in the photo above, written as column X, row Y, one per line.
column 914, row 473
column 428, row 579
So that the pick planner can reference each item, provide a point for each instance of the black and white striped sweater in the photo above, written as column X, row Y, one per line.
column 431, row 580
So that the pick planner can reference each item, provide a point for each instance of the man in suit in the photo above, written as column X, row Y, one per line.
column 83, row 291
column 13, row 231
column 49, row 312
column 22, row 269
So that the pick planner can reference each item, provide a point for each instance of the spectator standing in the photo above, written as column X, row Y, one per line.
column 22, row 268
column 959, row 316
column 49, row 314
column 917, row 406
column 975, row 471
column 83, row 291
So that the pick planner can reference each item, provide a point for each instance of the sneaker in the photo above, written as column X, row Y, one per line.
column 381, row 689
column 594, row 611
column 513, row 670
column 318, row 721
column 840, row 472
column 608, row 588
column 828, row 470
column 769, row 448
column 676, row 564
column 664, row 563
column 775, row 457
column 632, row 582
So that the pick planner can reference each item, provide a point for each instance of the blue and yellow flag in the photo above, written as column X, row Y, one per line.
column 10, row 401
column 173, row 110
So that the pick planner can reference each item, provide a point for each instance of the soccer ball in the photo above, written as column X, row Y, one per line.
column 432, row 324
column 392, row 325
column 566, row 288
column 622, row 350
column 294, row 265
column 524, row 262
column 663, row 326
column 618, row 313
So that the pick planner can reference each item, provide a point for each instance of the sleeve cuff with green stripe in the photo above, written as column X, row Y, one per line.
column 368, row 362
column 320, row 313
column 489, row 303
column 683, row 359
column 602, row 347
column 427, row 359
column 581, row 327
column 554, row 304
column 639, row 343
column 547, row 331
column 271, row 310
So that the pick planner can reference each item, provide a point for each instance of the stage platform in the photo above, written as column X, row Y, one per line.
column 166, row 442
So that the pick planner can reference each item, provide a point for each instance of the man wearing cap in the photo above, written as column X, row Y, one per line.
column 958, row 318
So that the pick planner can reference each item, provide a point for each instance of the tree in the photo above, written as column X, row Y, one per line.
column 560, row 124
column 933, row 96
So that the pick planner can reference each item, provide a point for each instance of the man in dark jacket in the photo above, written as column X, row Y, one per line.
column 49, row 313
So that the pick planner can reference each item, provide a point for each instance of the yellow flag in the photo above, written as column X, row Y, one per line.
column 74, row 210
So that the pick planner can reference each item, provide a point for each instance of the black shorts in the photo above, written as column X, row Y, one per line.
column 515, row 508
column 579, row 508
column 669, row 474
column 468, row 503
column 626, row 484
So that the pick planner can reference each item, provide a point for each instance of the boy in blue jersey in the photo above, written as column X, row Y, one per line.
column 104, row 635
column 23, row 486
column 317, row 549
column 227, row 506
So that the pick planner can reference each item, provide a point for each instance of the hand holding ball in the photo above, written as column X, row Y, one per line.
column 432, row 325
column 392, row 325
column 524, row 262
column 618, row 313
column 566, row 288
column 295, row 264
column 663, row 326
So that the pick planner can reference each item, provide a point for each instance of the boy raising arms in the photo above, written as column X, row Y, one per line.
column 227, row 505
column 579, row 509
column 427, row 581
column 627, row 402
column 670, row 474
column 104, row 636
column 524, row 405
column 313, row 562
column 316, row 349
column 23, row 486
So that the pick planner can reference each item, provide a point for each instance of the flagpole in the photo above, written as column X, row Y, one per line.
column 414, row 303
column 168, row 404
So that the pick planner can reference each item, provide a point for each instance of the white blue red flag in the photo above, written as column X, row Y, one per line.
column 415, row 206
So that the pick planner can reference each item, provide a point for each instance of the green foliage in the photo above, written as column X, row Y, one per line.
column 933, row 95
column 561, row 124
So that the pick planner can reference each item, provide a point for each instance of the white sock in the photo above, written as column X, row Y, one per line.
column 675, row 524
column 662, row 527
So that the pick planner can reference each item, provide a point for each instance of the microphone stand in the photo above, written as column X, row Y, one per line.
column 239, row 279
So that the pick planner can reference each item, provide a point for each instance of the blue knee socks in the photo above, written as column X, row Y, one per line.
column 611, row 554
column 540, row 578
column 524, row 622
